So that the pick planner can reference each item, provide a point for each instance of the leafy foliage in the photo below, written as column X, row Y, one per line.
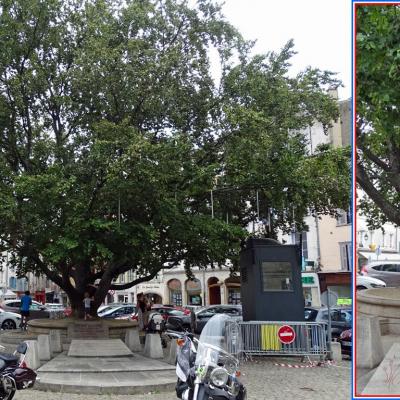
column 378, row 114
column 114, row 134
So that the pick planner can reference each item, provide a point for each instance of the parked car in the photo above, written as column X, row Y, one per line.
column 106, row 307
column 368, row 282
column 120, row 311
column 166, row 312
column 202, row 316
column 55, row 306
column 341, row 318
column 386, row 271
column 9, row 320
column 37, row 310
column 189, row 309
column 346, row 341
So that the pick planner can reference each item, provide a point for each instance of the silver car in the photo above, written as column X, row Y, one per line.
column 386, row 271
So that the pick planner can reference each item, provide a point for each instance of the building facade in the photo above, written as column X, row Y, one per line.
column 376, row 244
column 208, row 286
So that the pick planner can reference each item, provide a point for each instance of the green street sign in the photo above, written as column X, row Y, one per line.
column 309, row 280
column 344, row 302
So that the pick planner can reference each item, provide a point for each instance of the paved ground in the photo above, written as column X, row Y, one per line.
column 263, row 380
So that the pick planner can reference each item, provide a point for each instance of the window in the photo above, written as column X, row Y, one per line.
column 390, row 268
column 234, row 296
column 324, row 316
column 231, row 311
column 276, row 276
column 346, row 316
column 308, row 315
column 304, row 248
column 344, row 217
column 207, row 313
column 345, row 256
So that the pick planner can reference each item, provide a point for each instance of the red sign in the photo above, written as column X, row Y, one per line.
column 286, row 334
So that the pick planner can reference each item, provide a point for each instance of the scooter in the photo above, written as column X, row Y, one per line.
column 206, row 367
column 14, row 373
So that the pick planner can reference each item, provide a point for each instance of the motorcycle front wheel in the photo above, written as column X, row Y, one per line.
column 7, row 394
column 7, row 389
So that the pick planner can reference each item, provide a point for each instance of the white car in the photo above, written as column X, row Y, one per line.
column 367, row 282
column 9, row 320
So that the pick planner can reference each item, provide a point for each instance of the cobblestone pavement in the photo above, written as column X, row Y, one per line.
column 262, row 378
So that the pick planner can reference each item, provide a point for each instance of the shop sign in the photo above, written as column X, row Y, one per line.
column 343, row 302
column 307, row 280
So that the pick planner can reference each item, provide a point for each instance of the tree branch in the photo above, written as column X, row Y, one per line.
column 391, row 212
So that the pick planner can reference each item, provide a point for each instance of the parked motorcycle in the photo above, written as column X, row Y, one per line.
column 14, row 373
column 208, row 368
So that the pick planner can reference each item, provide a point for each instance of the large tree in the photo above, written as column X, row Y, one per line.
column 378, row 112
column 119, row 152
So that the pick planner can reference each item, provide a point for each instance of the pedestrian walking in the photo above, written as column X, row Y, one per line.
column 26, row 302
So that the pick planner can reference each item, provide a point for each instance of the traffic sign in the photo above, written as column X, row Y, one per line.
column 286, row 334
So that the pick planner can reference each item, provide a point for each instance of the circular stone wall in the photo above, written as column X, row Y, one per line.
column 383, row 303
column 116, row 328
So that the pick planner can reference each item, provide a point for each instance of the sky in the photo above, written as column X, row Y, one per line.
column 321, row 30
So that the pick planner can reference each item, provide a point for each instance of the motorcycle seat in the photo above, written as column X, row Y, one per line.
column 8, row 358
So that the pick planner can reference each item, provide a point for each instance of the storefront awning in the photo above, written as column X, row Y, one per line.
column 370, row 256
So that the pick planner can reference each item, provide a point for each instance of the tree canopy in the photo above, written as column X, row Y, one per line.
column 378, row 112
column 119, row 150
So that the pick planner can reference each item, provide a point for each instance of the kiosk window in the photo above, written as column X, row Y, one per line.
column 277, row 276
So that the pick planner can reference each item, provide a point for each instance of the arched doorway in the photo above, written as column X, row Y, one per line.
column 153, row 298
column 175, row 292
column 214, row 290
column 193, row 290
column 233, row 290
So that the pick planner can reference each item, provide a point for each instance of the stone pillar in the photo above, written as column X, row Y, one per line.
column 32, row 354
column 132, row 340
column 172, row 352
column 152, row 346
column 55, row 341
column 44, row 347
column 336, row 351
column 369, row 343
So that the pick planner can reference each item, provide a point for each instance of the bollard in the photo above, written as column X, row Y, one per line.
column 152, row 347
column 132, row 340
column 44, row 347
column 55, row 341
column 172, row 352
column 369, row 343
column 336, row 351
column 32, row 354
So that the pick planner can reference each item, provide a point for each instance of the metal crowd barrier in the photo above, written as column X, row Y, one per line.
column 261, row 338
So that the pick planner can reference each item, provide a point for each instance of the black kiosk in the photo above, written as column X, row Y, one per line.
column 271, row 288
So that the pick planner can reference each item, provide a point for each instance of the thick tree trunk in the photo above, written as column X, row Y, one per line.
column 76, row 300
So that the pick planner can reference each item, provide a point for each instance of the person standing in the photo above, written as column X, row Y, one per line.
column 26, row 302
column 86, row 302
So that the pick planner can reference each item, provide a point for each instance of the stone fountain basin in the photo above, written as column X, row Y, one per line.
column 383, row 303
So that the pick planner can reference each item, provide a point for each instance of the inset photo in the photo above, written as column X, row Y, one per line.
column 377, row 233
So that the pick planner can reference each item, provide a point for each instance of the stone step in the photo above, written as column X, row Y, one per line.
column 137, row 363
column 134, row 375
column 111, row 383
column 99, row 348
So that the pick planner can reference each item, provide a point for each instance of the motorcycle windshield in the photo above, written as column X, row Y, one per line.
column 219, row 344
